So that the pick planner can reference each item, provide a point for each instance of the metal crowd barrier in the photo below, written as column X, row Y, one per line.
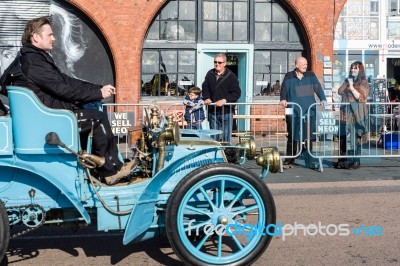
column 263, row 121
column 124, row 118
column 271, row 124
column 267, row 122
column 373, row 133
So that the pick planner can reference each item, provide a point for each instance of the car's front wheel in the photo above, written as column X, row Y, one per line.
column 220, row 214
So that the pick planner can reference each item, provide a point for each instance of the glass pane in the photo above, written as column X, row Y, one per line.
column 262, row 62
column 393, row 30
column 261, row 12
column 371, row 63
column 150, row 62
column 374, row 24
column 275, row 77
column 279, row 62
column 187, row 10
column 279, row 32
column 154, row 31
column 170, row 11
column 339, row 68
column 240, row 11
column 225, row 31
column 278, row 14
column 225, row 11
column 146, row 78
column 188, row 31
column 392, row 5
column 340, row 30
column 374, row 8
column 210, row 11
column 210, row 31
column 171, row 30
column 240, row 31
column 354, row 55
column 187, row 61
column 262, row 84
column 356, row 8
column 262, row 32
column 293, row 35
column 186, row 81
column 146, row 84
column 169, row 58
column 353, row 28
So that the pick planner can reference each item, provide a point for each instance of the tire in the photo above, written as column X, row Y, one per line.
column 4, row 231
column 195, row 203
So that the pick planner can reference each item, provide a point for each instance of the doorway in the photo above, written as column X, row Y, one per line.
column 242, row 67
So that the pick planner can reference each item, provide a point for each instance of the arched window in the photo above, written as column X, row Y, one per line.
column 169, row 52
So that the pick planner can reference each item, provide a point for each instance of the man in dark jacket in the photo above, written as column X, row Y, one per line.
column 300, row 86
column 221, row 86
column 59, row 91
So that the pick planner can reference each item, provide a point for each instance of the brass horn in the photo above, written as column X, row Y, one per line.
column 249, row 143
column 91, row 161
column 269, row 156
column 85, row 159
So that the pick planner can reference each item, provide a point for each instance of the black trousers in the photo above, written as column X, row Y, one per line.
column 293, row 138
column 356, row 150
column 104, row 144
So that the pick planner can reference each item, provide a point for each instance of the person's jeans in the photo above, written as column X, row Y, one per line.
column 196, row 125
column 222, row 122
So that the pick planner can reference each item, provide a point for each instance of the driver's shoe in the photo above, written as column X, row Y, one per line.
column 125, row 171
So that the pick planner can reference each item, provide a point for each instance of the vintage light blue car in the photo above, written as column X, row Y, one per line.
column 187, row 186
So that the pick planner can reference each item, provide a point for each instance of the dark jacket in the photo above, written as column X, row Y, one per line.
column 52, row 87
column 302, row 91
column 196, row 107
column 228, row 89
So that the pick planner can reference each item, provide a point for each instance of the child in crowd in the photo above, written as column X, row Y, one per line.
column 194, row 113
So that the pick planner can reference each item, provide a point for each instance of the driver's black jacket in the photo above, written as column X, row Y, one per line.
column 59, row 91
column 54, row 88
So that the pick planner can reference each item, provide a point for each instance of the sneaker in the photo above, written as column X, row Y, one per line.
column 125, row 171
column 287, row 165
column 313, row 166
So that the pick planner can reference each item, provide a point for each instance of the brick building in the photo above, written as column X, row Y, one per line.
column 153, row 49
column 124, row 27
column 125, row 24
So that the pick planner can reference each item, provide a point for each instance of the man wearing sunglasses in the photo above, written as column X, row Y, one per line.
column 221, row 86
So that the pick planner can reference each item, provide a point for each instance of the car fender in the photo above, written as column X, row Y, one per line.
column 142, row 214
column 20, row 171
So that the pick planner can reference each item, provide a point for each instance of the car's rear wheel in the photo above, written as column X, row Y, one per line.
column 215, row 198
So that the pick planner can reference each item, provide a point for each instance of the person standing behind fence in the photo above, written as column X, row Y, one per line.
column 221, row 86
column 353, row 117
column 194, row 113
column 276, row 88
column 300, row 86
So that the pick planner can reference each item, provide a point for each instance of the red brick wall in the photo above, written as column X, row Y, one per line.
column 124, row 24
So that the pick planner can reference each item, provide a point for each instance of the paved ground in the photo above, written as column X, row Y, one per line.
column 371, row 169
column 369, row 196
column 355, row 203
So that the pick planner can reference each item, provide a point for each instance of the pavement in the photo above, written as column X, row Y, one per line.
column 371, row 169
column 369, row 196
column 362, row 207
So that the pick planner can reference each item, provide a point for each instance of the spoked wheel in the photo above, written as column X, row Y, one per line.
column 4, row 231
column 220, row 214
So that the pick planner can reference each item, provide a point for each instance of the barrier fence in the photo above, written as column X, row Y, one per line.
column 273, row 125
column 354, row 131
